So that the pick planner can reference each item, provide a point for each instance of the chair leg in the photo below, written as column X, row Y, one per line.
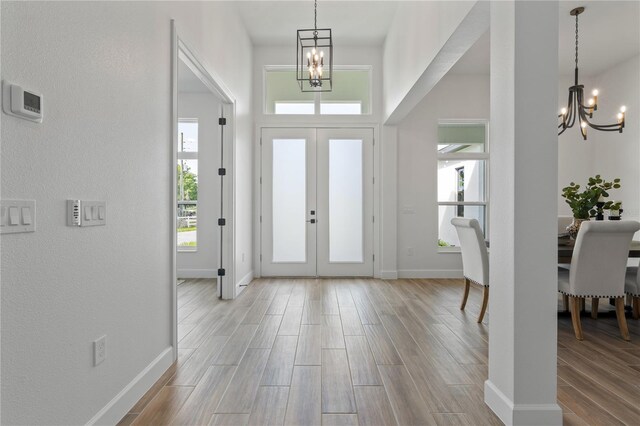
column 622, row 320
column 636, row 307
column 565, row 302
column 575, row 317
column 466, row 293
column 485, row 302
column 594, row 307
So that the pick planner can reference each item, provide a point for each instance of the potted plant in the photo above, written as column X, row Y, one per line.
column 584, row 204
column 615, row 210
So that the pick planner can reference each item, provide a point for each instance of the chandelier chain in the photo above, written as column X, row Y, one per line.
column 315, row 14
column 576, row 40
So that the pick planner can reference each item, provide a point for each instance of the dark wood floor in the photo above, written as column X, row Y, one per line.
column 364, row 351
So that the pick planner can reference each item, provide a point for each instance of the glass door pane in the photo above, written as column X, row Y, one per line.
column 289, row 200
column 345, row 200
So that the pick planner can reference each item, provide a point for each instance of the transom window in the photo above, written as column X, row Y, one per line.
column 351, row 94
column 463, row 158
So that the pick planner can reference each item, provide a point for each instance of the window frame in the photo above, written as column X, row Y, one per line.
column 192, row 155
column 457, row 156
column 317, row 96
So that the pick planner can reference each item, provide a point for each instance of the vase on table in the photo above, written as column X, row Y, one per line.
column 574, row 227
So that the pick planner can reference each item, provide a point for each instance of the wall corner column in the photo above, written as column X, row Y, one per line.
column 521, row 388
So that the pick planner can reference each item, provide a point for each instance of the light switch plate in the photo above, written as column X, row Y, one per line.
column 17, row 216
column 92, row 218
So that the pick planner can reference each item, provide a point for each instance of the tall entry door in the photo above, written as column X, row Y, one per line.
column 317, row 202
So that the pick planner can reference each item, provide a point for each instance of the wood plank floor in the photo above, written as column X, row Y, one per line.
column 369, row 352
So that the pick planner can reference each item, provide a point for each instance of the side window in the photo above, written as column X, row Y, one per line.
column 187, row 185
column 463, row 160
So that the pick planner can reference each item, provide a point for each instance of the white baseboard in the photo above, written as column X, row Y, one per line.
column 116, row 409
column 429, row 273
column 389, row 275
column 197, row 273
column 244, row 281
column 520, row 414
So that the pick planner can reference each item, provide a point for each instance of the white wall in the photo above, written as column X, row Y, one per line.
column 416, row 35
column 455, row 97
column 104, row 70
column 610, row 154
column 203, row 263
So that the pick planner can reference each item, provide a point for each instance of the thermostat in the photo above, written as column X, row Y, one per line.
column 22, row 103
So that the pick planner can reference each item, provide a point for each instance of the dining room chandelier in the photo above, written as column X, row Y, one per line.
column 576, row 108
column 314, row 57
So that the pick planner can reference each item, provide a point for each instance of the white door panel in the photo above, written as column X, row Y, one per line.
column 345, row 202
column 288, row 195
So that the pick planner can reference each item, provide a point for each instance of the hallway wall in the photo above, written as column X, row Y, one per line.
column 104, row 71
column 454, row 97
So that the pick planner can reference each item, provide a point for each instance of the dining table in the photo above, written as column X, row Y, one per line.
column 566, row 246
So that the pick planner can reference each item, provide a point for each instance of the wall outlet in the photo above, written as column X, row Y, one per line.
column 409, row 251
column 99, row 350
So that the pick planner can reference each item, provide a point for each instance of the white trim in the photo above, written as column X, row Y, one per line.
column 449, row 250
column 197, row 273
column 118, row 407
column 388, row 275
column 173, row 124
column 244, row 281
column 448, row 156
column 429, row 273
column 520, row 414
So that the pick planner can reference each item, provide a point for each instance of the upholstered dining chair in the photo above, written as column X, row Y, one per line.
column 475, row 259
column 598, row 269
column 632, row 288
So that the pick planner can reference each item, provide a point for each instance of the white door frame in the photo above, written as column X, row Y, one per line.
column 377, row 189
column 181, row 52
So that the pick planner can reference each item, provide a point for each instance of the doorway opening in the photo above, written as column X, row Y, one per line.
column 203, row 231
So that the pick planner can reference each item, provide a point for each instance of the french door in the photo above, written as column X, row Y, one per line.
column 317, row 202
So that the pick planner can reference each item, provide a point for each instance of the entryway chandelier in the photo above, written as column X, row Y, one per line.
column 314, row 57
column 576, row 108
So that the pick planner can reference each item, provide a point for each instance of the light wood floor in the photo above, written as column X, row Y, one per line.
column 370, row 352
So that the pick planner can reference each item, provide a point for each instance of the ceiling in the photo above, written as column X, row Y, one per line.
column 609, row 34
column 609, row 30
column 351, row 22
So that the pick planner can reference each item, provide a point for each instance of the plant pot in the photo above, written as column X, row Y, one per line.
column 574, row 227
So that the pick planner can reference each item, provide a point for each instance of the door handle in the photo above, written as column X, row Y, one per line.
column 312, row 221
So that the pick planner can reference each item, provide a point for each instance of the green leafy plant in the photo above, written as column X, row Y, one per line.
column 584, row 204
